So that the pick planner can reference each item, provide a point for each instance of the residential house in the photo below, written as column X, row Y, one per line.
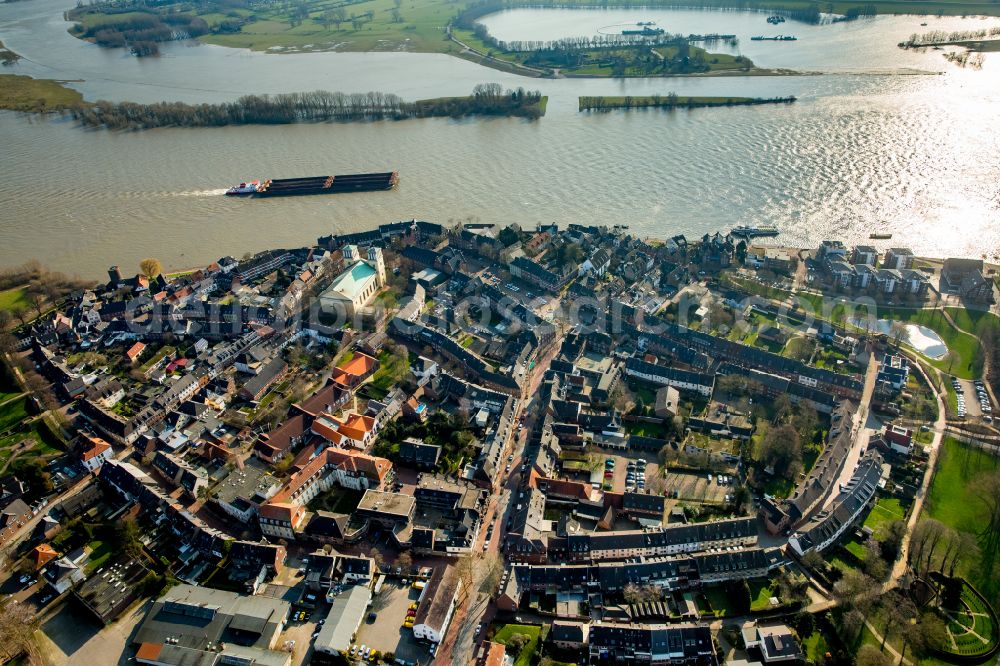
column 775, row 642
column 135, row 352
column 13, row 517
column 93, row 452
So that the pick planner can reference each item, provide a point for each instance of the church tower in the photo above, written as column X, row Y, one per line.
column 378, row 263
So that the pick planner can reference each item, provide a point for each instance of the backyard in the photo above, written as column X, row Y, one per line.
column 885, row 511
column 532, row 632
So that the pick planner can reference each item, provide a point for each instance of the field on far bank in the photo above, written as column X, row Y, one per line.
column 23, row 93
column 421, row 25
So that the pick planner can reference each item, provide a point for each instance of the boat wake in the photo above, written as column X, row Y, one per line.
column 200, row 193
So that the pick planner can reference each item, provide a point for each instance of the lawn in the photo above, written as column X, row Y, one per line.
column 718, row 598
column 855, row 548
column 951, row 499
column 885, row 511
column 421, row 28
column 392, row 368
column 531, row 631
column 815, row 647
column 643, row 429
column 760, row 595
column 99, row 555
column 954, row 500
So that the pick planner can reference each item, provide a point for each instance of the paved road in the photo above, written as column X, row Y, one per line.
column 899, row 568
column 461, row 641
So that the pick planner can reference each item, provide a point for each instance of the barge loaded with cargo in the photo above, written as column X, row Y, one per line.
column 287, row 187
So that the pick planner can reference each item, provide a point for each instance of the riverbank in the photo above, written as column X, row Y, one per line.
column 381, row 25
column 672, row 101
column 23, row 93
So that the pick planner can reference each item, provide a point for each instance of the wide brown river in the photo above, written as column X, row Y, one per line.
column 869, row 146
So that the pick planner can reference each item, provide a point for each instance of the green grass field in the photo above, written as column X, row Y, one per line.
column 531, row 631
column 953, row 499
column 23, row 93
column 422, row 28
column 11, row 299
column 13, row 413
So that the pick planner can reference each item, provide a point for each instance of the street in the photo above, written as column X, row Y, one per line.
column 459, row 644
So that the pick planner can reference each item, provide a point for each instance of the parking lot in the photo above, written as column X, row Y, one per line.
column 620, row 478
column 973, row 400
column 696, row 488
column 387, row 633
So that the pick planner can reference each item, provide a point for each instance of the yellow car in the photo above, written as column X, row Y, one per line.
column 408, row 625
column 413, row 606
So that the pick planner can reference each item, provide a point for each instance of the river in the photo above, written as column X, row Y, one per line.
column 866, row 148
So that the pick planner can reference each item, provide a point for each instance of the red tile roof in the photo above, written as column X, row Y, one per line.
column 43, row 554
column 97, row 447
column 135, row 351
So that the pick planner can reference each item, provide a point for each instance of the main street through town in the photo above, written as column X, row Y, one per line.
column 476, row 606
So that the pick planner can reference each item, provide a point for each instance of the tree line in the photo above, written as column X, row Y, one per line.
column 317, row 106
column 672, row 101
column 944, row 37
column 575, row 44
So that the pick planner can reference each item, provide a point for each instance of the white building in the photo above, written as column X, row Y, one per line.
column 96, row 454
column 357, row 286
column 436, row 612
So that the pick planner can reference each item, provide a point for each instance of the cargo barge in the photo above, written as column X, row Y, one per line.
column 754, row 232
column 287, row 187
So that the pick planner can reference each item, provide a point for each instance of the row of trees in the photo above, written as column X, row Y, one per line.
column 318, row 106
column 672, row 101
column 945, row 37
column 575, row 44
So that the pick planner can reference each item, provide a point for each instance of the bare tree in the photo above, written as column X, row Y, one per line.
column 869, row 655
column 404, row 561
column 150, row 267
column 18, row 624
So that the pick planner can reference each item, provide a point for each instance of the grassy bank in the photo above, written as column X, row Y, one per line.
column 673, row 102
column 23, row 93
